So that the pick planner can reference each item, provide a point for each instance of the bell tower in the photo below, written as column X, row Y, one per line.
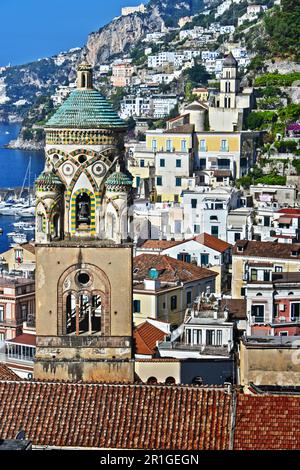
column 84, row 299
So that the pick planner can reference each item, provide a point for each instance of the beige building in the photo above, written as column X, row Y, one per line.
column 270, row 361
column 19, row 258
column 249, row 256
column 83, row 298
column 228, row 107
column 164, row 287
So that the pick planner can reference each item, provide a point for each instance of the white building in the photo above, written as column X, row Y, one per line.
column 206, row 333
column 163, row 105
column 206, row 210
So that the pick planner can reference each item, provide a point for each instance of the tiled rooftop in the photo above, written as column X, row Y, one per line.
column 267, row 249
column 7, row 374
column 86, row 108
column 169, row 269
column 267, row 422
column 146, row 336
column 116, row 416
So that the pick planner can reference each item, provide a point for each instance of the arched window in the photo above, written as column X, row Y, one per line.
column 83, row 313
column 259, row 294
column 291, row 293
column 170, row 381
column 152, row 381
column 214, row 217
column 83, row 209
column 83, row 80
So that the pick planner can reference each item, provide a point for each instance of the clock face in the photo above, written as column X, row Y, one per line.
column 68, row 169
column 99, row 169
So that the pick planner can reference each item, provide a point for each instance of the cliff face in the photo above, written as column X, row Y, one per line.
column 120, row 34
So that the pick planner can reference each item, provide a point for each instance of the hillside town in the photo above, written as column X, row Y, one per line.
column 164, row 270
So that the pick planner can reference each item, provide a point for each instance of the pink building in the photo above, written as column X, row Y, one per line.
column 122, row 74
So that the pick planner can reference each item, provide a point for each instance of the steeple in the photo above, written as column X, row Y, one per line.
column 85, row 75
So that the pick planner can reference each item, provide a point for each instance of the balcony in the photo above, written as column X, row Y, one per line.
column 203, row 349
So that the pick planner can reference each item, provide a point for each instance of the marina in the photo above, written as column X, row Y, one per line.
column 18, row 170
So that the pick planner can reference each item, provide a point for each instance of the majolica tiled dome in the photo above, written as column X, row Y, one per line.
column 118, row 181
column 48, row 181
column 86, row 109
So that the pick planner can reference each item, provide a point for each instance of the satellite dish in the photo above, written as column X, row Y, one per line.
column 21, row 435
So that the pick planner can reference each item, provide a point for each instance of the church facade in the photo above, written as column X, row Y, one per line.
column 83, row 249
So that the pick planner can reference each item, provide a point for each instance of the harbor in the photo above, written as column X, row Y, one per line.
column 18, row 170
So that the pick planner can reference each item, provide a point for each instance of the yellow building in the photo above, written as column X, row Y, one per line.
column 232, row 151
column 201, row 93
column 247, row 256
column 165, row 287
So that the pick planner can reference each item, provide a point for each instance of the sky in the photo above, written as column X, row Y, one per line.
column 32, row 29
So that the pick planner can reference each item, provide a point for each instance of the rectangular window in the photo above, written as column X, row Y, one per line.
column 243, row 291
column 210, row 337
column 174, row 302
column 188, row 336
column 202, row 163
column 204, row 259
column 186, row 257
column 196, row 228
column 237, row 236
column 19, row 256
column 142, row 162
column 224, row 145
column 177, row 224
column 258, row 313
column 295, row 312
column 215, row 231
column 1, row 313
column 278, row 269
column 183, row 146
column 194, row 203
column 253, row 274
column 177, row 181
column 154, row 145
column 162, row 163
column 202, row 145
column 219, row 338
column 189, row 298
column 178, row 163
column 169, row 145
column 159, row 181
column 197, row 337
column 267, row 276
column 138, row 181
column 267, row 220
column 136, row 306
column 2, row 337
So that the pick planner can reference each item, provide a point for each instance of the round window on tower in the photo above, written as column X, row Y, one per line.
column 83, row 278
column 82, row 158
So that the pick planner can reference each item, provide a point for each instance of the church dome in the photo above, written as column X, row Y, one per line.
column 48, row 181
column 118, row 181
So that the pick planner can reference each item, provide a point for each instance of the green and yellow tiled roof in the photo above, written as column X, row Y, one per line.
column 48, row 181
column 118, row 180
column 86, row 108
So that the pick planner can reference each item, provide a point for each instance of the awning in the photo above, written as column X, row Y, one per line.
column 285, row 220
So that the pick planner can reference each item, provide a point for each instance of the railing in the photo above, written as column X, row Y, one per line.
column 202, row 348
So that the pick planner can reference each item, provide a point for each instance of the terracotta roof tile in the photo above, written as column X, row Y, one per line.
column 146, row 336
column 116, row 416
column 267, row 249
column 25, row 338
column 267, row 422
column 184, row 129
column 213, row 242
column 169, row 269
column 7, row 374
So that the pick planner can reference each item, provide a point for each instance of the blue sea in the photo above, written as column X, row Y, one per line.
column 13, row 166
